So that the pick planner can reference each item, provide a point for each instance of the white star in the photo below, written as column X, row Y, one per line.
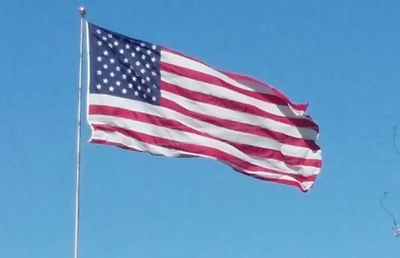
column 130, row 85
column 129, row 70
column 110, row 36
column 148, row 52
column 148, row 90
column 148, row 65
column 99, row 43
column 142, row 44
column 104, row 38
column 153, row 73
column 154, row 47
column 154, row 86
column 124, row 76
column 112, row 60
column 98, row 31
column 144, row 96
column 139, row 88
column 148, row 78
column 143, row 57
column 118, row 68
column 110, row 45
column 126, row 60
column 99, row 72
column 136, row 93
column 137, row 63
column 118, row 83
column 137, row 48
column 98, row 86
column 99, row 58
column 111, row 88
column 142, row 70
column 127, row 46
column 143, row 81
column 134, row 78
column 116, row 43
column 121, row 51
column 124, row 91
column 105, row 66
column 105, row 80
column 153, row 59
column 112, row 74
column 105, row 52
column 154, row 98
column 133, row 54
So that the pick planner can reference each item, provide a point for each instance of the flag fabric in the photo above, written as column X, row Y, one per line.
column 145, row 97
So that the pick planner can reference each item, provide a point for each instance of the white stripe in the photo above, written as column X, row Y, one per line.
column 305, row 185
column 119, row 138
column 186, row 137
column 220, row 132
column 179, row 60
column 225, row 93
column 116, row 137
column 238, row 116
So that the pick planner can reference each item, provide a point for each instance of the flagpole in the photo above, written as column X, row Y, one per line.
column 82, row 12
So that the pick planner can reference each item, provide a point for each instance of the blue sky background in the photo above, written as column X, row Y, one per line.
column 341, row 56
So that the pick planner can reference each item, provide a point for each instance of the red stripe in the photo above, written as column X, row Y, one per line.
column 239, row 126
column 240, row 77
column 280, row 181
column 207, row 78
column 277, row 155
column 184, row 55
column 247, row 79
column 198, row 149
column 172, row 124
column 235, row 105
column 199, row 76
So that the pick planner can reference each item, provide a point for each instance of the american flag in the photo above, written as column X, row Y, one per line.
column 149, row 98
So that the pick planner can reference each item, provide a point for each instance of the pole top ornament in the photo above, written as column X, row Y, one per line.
column 82, row 11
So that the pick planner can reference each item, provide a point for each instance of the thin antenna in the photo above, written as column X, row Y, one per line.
column 396, row 227
column 384, row 208
column 82, row 12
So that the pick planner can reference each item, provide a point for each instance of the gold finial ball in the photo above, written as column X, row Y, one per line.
column 82, row 11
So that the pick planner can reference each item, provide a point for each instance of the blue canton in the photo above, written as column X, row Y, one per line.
column 123, row 67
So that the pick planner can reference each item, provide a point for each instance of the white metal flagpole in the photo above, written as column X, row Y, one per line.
column 82, row 12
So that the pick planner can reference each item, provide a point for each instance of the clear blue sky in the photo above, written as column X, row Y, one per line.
column 342, row 57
